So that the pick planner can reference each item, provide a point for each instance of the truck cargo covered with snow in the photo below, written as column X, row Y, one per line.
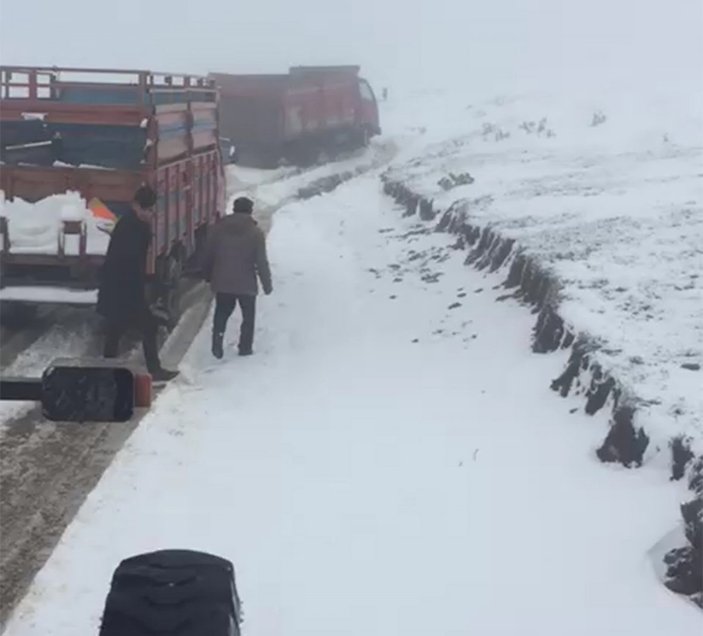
column 298, row 115
column 76, row 144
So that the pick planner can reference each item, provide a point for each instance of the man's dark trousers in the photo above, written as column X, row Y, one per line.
column 225, row 305
column 144, row 322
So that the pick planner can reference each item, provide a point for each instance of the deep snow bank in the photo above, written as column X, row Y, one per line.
column 594, row 211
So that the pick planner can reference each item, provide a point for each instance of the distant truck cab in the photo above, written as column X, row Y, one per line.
column 97, row 135
column 298, row 116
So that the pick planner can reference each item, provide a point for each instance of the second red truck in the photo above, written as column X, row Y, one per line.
column 296, row 117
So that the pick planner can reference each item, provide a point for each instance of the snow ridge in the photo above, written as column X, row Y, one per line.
column 585, row 373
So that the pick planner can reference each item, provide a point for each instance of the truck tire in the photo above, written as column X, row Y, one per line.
column 172, row 298
column 360, row 138
column 174, row 593
column 365, row 137
column 167, row 289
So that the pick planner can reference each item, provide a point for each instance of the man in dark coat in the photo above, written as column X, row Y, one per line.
column 235, row 256
column 122, row 295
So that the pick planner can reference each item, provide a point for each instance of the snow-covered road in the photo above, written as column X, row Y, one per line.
column 390, row 462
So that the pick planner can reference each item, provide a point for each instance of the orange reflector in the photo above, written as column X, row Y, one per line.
column 100, row 210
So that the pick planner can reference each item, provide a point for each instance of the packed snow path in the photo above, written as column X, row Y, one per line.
column 390, row 462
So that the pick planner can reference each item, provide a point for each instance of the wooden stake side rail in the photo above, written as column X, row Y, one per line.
column 169, row 139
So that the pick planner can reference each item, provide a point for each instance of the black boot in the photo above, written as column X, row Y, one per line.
column 151, row 353
column 217, row 345
column 163, row 375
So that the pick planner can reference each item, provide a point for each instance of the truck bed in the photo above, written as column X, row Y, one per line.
column 101, row 134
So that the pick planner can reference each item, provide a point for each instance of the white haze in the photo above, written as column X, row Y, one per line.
column 475, row 44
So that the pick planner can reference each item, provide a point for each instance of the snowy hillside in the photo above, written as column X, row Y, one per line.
column 606, row 191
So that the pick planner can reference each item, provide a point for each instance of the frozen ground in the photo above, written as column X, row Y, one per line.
column 390, row 462
column 605, row 188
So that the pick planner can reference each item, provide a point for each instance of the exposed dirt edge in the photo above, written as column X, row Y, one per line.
column 626, row 442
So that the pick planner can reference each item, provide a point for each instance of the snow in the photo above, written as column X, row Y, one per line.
column 46, row 294
column 383, row 465
column 34, row 116
column 88, row 166
column 34, row 228
column 271, row 188
column 31, row 145
column 251, row 177
column 614, row 210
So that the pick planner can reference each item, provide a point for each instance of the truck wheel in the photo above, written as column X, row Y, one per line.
column 172, row 287
column 365, row 137
column 362, row 138
column 174, row 592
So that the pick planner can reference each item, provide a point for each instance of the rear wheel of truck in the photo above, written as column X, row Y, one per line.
column 172, row 299
column 175, row 592
column 365, row 137
column 167, row 289
column 362, row 137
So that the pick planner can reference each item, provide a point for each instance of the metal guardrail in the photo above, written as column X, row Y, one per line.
column 40, row 83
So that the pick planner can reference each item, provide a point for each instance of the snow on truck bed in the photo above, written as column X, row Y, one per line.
column 607, row 193
column 34, row 227
column 49, row 295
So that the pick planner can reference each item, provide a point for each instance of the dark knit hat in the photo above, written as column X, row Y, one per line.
column 243, row 205
column 145, row 197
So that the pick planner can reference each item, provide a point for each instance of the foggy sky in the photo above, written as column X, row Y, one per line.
column 435, row 42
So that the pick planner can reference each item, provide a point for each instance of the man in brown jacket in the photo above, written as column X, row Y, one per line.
column 234, row 256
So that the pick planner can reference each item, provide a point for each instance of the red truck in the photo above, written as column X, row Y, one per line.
column 101, row 133
column 296, row 116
